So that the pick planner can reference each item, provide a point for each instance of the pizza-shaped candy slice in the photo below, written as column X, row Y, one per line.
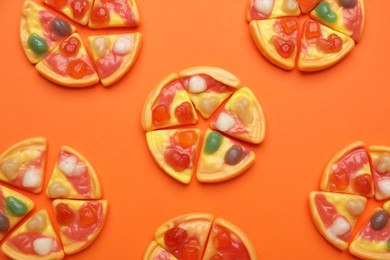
column 227, row 241
column 114, row 13
column 174, row 151
column 242, row 117
column 380, row 168
column 322, row 47
column 35, row 239
column 277, row 39
column 41, row 31
column 114, row 55
column 222, row 158
column 307, row 5
column 23, row 164
column 345, row 16
column 265, row 9
column 13, row 208
column 156, row 252
column 373, row 240
column 168, row 105
column 79, row 222
column 349, row 172
column 185, row 236
column 77, row 10
column 335, row 215
column 73, row 177
column 208, row 87
column 69, row 65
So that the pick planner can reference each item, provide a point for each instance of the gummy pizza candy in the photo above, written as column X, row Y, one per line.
column 200, row 236
column 157, row 252
column 23, row 164
column 350, row 179
column 59, row 53
column 35, row 239
column 173, row 104
column 319, row 44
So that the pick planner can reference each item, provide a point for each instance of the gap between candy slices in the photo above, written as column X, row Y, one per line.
column 216, row 94
column 352, row 176
column 332, row 31
column 58, row 51
column 79, row 211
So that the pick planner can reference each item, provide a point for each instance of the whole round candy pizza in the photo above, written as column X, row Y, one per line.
column 235, row 116
column 58, row 51
column 352, row 177
column 199, row 236
column 331, row 32
column 79, row 211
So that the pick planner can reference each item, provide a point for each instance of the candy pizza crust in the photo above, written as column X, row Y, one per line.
column 208, row 87
column 73, row 177
column 340, row 211
column 349, row 172
column 66, row 78
column 105, row 48
column 180, row 97
column 15, row 208
column 380, row 168
column 155, row 251
column 179, row 145
column 38, row 233
column 377, row 249
column 235, row 238
column 265, row 9
column 114, row 13
column 30, row 25
column 191, row 229
column 23, row 164
column 213, row 165
column 311, row 58
column 268, row 34
column 92, row 227
column 242, row 117
column 346, row 18
column 80, row 16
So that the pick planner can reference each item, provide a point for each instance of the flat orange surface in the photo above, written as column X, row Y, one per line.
column 310, row 116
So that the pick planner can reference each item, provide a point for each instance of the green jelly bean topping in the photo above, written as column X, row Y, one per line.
column 37, row 43
column 213, row 142
column 324, row 12
column 16, row 206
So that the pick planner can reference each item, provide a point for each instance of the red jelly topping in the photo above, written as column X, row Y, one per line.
column 285, row 48
column 65, row 215
column 58, row 3
column 184, row 113
column 363, row 184
column 181, row 245
column 186, row 138
column 79, row 8
column 332, row 44
column 289, row 24
column 160, row 115
column 178, row 160
column 108, row 64
column 79, row 69
column 312, row 30
column 70, row 47
column 100, row 15
column 88, row 215
column 24, row 242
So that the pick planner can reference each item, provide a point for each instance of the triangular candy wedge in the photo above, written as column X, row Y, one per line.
column 372, row 241
column 156, row 252
column 227, row 241
column 114, row 55
column 73, row 177
column 335, row 215
column 277, row 39
column 174, row 151
column 380, row 168
column 242, row 117
column 307, row 5
column 35, row 239
column 77, row 10
column 345, row 16
column 114, row 13
column 322, row 47
column 349, row 172
column 266, row 9
column 185, row 236
column 208, row 87
column 69, row 65
column 41, row 31
column 13, row 208
column 168, row 105
column 79, row 222
column 23, row 164
column 221, row 158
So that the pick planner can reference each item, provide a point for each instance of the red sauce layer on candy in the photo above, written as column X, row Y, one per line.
column 24, row 242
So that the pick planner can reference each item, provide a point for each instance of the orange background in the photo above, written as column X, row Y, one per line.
column 310, row 116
